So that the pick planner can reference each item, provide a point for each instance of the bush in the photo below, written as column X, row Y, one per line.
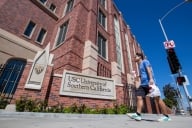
column 24, row 104
column 20, row 104
column 3, row 102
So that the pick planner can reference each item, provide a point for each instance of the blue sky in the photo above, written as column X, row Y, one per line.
column 142, row 17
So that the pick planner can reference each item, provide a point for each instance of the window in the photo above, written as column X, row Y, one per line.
column 69, row 6
column 62, row 33
column 52, row 7
column 41, row 35
column 102, row 2
column 101, row 45
column 118, row 41
column 43, row 1
column 102, row 18
column 128, row 53
column 29, row 29
column 11, row 75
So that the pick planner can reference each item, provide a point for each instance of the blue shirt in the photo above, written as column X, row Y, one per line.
column 143, row 72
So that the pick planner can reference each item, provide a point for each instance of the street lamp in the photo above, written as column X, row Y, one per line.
column 166, row 14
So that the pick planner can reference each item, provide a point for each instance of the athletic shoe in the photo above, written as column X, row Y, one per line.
column 164, row 119
column 134, row 116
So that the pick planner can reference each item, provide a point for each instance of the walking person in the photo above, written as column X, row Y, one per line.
column 146, row 79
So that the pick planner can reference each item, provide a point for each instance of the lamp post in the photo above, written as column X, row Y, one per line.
column 166, row 14
column 189, row 98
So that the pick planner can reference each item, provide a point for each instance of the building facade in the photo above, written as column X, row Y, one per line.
column 67, row 51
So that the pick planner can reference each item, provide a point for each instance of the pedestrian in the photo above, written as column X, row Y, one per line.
column 146, row 78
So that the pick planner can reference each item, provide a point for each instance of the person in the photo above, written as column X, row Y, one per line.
column 146, row 78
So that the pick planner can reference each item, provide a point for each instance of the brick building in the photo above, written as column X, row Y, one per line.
column 67, row 51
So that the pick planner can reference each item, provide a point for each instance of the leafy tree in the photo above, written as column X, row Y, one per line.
column 170, row 94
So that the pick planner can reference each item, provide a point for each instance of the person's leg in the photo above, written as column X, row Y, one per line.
column 140, row 98
column 163, row 108
column 139, row 104
column 161, row 105
column 140, row 93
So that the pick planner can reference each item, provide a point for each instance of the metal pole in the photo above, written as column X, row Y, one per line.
column 179, row 98
column 188, row 97
column 174, row 8
column 164, row 33
column 163, row 30
column 166, row 14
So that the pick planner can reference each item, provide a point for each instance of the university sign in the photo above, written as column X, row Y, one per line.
column 80, row 85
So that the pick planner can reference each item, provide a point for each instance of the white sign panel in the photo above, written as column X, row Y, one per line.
column 80, row 85
column 186, row 80
column 38, row 69
column 169, row 44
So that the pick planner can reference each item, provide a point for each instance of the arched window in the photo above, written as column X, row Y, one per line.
column 10, row 76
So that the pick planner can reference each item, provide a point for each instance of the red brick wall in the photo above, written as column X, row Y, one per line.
column 30, row 93
column 15, row 16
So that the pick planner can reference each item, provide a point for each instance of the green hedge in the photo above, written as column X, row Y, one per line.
column 28, row 105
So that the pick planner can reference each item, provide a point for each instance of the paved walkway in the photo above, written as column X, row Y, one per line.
column 52, row 120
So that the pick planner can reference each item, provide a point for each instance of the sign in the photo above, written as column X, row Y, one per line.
column 39, row 67
column 80, row 85
column 169, row 44
column 186, row 80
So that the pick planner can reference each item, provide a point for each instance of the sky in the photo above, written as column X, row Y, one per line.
column 143, row 18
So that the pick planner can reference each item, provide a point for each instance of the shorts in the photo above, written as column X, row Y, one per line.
column 142, row 91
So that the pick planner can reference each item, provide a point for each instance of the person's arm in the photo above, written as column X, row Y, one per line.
column 149, row 72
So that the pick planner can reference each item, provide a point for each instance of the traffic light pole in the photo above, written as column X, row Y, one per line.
column 179, row 107
column 189, row 98
column 166, row 14
column 176, row 68
column 163, row 30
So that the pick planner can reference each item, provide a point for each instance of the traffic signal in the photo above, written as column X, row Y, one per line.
column 181, row 80
column 173, row 61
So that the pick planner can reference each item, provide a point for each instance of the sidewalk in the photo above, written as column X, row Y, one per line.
column 59, row 120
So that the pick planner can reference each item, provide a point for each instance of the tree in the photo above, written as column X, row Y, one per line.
column 170, row 94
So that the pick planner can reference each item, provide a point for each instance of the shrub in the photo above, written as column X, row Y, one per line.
column 24, row 104
column 3, row 102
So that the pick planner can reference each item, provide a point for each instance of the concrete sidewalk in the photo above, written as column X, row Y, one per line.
column 60, row 120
